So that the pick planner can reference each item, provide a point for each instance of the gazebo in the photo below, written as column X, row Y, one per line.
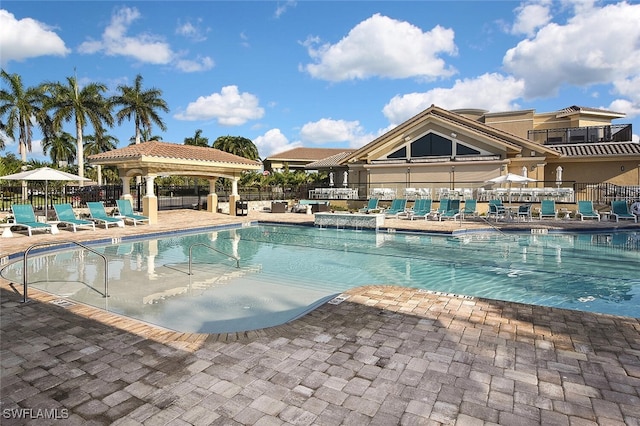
column 152, row 159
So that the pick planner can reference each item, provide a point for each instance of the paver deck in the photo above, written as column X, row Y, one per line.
column 385, row 356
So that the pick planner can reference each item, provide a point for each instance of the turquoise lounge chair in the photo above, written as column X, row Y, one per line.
column 524, row 212
column 442, row 208
column 548, row 209
column 496, row 209
column 586, row 211
column 125, row 209
column 66, row 215
column 421, row 208
column 24, row 216
column 470, row 208
column 620, row 210
column 372, row 205
column 99, row 214
column 398, row 206
column 452, row 212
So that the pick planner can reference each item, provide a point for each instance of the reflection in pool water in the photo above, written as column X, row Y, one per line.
column 287, row 270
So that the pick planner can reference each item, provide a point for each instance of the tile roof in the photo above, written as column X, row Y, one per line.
column 598, row 149
column 307, row 154
column 173, row 151
column 574, row 108
column 332, row 161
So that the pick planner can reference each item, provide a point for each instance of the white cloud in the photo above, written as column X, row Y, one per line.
column 493, row 92
column 597, row 45
column 327, row 130
column 21, row 39
column 192, row 31
column 273, row 142
column 145, row 47
column 229, row 108
column 383, row 47
column 530, row 17
column 200, row 64
column 283, row 6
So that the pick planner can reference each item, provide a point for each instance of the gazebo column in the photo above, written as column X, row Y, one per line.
column 212, row 198
column 126, row 194
column 150, row 201
column 233, row 197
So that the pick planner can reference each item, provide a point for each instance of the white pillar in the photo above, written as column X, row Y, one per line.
column 150, row 202
column 150, row 179
column 234, row 186
column 126, row 181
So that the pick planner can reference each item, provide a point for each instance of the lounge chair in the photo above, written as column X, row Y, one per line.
column 99, row 214
column 66, row 215
column 470, row 208
column 586, row 211
column 371, row 205
column 421, row 208
column 524, row 212
column 496, row 209
column 620, row 210
column 398, row 205
column 125, row 210
column 452, row 212
column 548, row 209
column 24, row 216
column 442, row 208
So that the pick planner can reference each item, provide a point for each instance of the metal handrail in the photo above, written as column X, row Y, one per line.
column 237, row 259
column 26, row 254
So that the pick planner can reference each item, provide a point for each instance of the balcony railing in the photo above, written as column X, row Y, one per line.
column 591, row 134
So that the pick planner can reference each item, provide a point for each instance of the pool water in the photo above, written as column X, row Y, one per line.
column 285, row 271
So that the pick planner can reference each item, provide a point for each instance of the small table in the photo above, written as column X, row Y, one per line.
column 6, row 232
column 604, row 215
column 54, row 227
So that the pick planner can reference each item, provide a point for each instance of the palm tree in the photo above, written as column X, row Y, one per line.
column 197, row 139
column 237, row 145
column 60, row 147
column 140, row 105
column 145, row 136
column 95, row 144
column 20, row 106
column 70, row 102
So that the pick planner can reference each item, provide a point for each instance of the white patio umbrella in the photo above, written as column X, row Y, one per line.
column 510, row 178
column 44, row 174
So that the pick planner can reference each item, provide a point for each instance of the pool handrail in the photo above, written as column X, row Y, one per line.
column 237, row 259
column 31, row 247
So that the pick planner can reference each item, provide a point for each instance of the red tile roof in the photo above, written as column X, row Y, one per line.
column 598, row 149
column 307, row 154
column 173, row 151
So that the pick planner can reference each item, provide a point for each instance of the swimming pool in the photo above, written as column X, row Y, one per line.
column 285, row 271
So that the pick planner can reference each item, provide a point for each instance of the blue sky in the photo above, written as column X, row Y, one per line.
column 329, row 73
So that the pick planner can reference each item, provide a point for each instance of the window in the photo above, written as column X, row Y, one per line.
column 431, row 145
column 401, row 153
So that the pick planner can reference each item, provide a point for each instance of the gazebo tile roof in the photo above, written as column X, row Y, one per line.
column 172, row 151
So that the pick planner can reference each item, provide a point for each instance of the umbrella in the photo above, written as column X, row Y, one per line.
column 46, row 174
column 511, row 178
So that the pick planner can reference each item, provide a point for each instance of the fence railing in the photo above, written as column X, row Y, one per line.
column 196, row 197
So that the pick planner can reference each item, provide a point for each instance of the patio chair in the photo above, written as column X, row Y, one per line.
column 620, row 210
column 371, row 205
column 421, row 208
column 452, row 212
column 99, row 214
column 398, row 205
column 496, row 209
column 470, row 208
column 524, row 212
column 24, row 216
column 548, row 209
column 66, row 215
column 125, row 210
column 586, row 211
column 442, row 208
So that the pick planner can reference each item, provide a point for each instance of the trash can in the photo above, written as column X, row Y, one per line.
column 242, row 208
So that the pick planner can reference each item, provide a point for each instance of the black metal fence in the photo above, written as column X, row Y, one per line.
column 180, row 197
